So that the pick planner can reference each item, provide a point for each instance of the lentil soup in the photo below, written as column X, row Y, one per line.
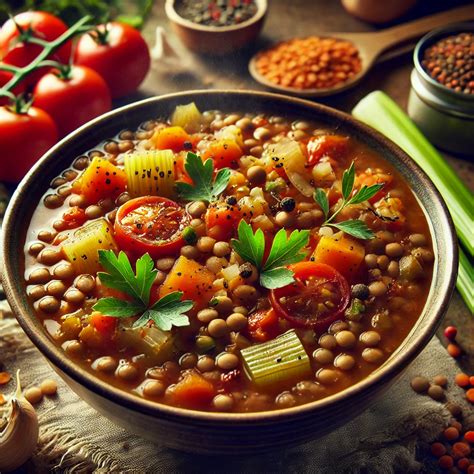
column 229, row 262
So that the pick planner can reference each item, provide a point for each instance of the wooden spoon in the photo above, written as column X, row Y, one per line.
column 370, row 46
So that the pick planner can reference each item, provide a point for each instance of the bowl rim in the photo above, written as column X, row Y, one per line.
column 389, row 370
column 428, row 40
column 173, row 15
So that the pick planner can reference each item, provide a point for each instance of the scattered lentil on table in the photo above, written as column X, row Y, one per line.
column 450, row 61
column 309, row 63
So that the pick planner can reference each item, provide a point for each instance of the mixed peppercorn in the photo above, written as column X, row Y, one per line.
column 217, row 13
column 450, row 61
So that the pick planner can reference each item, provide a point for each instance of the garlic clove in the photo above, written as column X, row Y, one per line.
column 19, row 438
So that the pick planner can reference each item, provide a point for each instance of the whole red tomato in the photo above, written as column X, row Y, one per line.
column 42, row 25
column 74, row 100
column 23, row 139
column 118, row 53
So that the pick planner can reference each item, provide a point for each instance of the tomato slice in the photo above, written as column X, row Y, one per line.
column 316, row 299
column 151, row 224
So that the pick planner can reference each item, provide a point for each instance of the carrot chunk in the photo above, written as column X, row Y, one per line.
column 171, row 138
column 224, row 153
column 100, row 180
column 341, row 252
column 193, row 391
column 193, row 279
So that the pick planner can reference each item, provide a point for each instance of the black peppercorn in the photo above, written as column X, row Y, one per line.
column 287, row 204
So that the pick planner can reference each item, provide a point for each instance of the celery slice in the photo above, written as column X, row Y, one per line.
column 188, row 117
column 81, row 249
column 282, row 359
column 379, row 111
column 150, row 173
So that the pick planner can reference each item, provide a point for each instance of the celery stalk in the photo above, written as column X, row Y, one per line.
column 282, row 359
column 379, row 111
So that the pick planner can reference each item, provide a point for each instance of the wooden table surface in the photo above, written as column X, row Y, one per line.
column 301, row 18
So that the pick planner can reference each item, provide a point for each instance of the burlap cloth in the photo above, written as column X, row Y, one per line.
column 392, row 436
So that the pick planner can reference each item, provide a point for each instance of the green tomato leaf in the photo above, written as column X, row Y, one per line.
column 118, row 308
column 276, row 278
column 355, row 228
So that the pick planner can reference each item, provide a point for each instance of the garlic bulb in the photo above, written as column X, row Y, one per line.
column 19, row 438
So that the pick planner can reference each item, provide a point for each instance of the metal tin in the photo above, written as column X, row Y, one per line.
column 446, row 117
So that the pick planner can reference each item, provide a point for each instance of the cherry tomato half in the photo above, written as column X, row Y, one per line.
column 122, row 59
column 316, row 299
column 75, row 100
column 44, row 26
column 151, row 224
column 23, row 139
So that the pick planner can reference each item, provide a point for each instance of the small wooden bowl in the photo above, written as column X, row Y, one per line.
column 216, row 39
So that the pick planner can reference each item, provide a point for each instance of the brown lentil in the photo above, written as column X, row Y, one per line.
column 49, row 387
column 450, row 61
column 420, row 384
column 153, row 388
column 33, row 394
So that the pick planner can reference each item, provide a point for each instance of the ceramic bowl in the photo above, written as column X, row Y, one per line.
column 216, row 39
column 218, row 432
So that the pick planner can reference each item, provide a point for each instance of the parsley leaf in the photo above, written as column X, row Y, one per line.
column 355, row 228
column 165, row 313
column 284, row 251
column 204, row 188
column 352, row 227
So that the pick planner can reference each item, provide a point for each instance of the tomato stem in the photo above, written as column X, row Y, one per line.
column 49, row 47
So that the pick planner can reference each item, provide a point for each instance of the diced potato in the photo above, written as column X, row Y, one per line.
column 81, row 249
column 188, row 117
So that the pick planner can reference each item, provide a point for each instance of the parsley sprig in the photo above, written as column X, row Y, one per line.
column 353, row 227
column 284, row 251
column 204, row 187
column 165, row 313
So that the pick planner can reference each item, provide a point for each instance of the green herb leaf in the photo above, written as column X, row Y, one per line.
column 168, row 311
column 365, row 193
column 348, row 178
column 322, row 199
column 165, row 313
column 355, row 228
column 249, row 246
column 120, row 275
column 119, row 308
column 286, row 251
column 204, row 188
column 276, row 278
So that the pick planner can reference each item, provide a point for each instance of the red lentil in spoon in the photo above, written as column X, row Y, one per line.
column 450, row 62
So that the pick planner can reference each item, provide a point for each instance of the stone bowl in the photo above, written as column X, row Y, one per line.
column 229, row 433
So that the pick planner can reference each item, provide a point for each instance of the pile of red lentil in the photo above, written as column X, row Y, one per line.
column 450, row 61
column 309, row 63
